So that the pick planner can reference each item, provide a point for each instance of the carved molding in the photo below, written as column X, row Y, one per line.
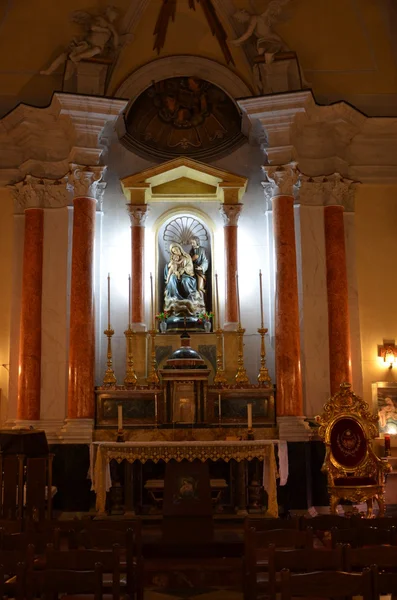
column 327, row 190
column 34, row 192
column 85, row 182
column 138, row 214
column 281, row 180
column 230, row 213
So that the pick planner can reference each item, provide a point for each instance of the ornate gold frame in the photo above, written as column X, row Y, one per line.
column 345, row 404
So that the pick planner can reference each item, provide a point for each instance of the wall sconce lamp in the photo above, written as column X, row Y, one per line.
column 388, row 352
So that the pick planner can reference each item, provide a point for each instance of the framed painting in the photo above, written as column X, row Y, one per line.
column 384, row 395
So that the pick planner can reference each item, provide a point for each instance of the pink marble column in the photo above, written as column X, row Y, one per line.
column 287, row 334
column 138, row 214
column 28, row 406
column 338, row 298
column 83, row 181
column 230, row 214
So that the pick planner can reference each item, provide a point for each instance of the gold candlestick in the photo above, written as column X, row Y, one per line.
column 153, row 378
column 220, row 378
column 241, row 377
column 130, row 378
column 263, row 375
column 109, row 378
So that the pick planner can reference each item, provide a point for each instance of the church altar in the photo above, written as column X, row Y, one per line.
column 241, row 451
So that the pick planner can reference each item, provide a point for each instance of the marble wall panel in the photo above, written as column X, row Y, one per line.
column 55, row 312
column 312, row 287
column 17, row 261
column 354, row 315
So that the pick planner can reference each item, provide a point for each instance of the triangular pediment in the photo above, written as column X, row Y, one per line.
column 182, row 178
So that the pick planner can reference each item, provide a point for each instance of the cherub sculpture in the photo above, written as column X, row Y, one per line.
column 268, row 41
column 99, row 33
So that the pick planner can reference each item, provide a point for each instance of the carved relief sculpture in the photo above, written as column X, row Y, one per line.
column 261, row 26
column 99, row 36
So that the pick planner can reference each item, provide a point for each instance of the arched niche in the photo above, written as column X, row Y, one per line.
column 179, row 228
column 183, row 66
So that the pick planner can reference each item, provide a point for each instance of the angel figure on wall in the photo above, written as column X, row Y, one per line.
column 268, row 41
column 99, row 34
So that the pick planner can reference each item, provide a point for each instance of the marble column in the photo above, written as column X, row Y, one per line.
column 337, row 284
column 83, row 182
column 138, row 214
column 230, row 214
column 281, row 181
column 29, row 380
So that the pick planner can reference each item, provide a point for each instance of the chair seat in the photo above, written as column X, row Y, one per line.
column 354, row 481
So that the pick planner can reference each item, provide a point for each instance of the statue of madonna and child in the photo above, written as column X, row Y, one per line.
column 185, row 279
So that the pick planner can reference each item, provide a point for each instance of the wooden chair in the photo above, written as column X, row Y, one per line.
column 384, row 583
column 354, row 472
column 131, row 555
column 273, row 523
column 49, row 583
column 325, row 522
column 19, row 541
column 256, row 550
column 368, row 536
column 326, row 584
column 297, row 561
column 14, row 562
column 385, row 557
column 379, row 522
column 85, row 560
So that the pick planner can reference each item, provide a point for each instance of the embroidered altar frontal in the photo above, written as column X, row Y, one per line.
column 103, row 452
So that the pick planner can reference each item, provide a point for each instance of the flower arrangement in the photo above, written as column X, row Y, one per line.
column 205, row 316
column 162, row 316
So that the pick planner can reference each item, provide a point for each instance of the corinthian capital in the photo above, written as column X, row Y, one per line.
column 281, row 179
column 36, row 192
column 339, row 191
column 138, row 214
column 230, row 213
column 85, row 182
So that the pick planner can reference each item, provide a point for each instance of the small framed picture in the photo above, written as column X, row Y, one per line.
column 384, row 395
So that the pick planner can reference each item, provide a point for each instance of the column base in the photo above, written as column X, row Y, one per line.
column 52, row 427
column 77, row 431
column 230, row 326
column 138, row 327
column 294, row 429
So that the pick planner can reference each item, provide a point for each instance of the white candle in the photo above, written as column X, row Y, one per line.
column 218, row 316
column 119, row 417
column 108, row 300
column 249, row 414
column 261, row 297
column 238, row 300
column 151, row 300
column 129, row 300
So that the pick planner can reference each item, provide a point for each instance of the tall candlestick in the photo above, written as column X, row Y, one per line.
column 151, row 301
column 261, row 297
column 218, row 316
column 108, row 300
column 238, row 300
column 155, row 409
column 129, row 300
column 249, row 415
column 219, row 408
column 119, row 417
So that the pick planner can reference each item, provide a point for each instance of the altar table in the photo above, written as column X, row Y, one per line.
column 103, row 452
